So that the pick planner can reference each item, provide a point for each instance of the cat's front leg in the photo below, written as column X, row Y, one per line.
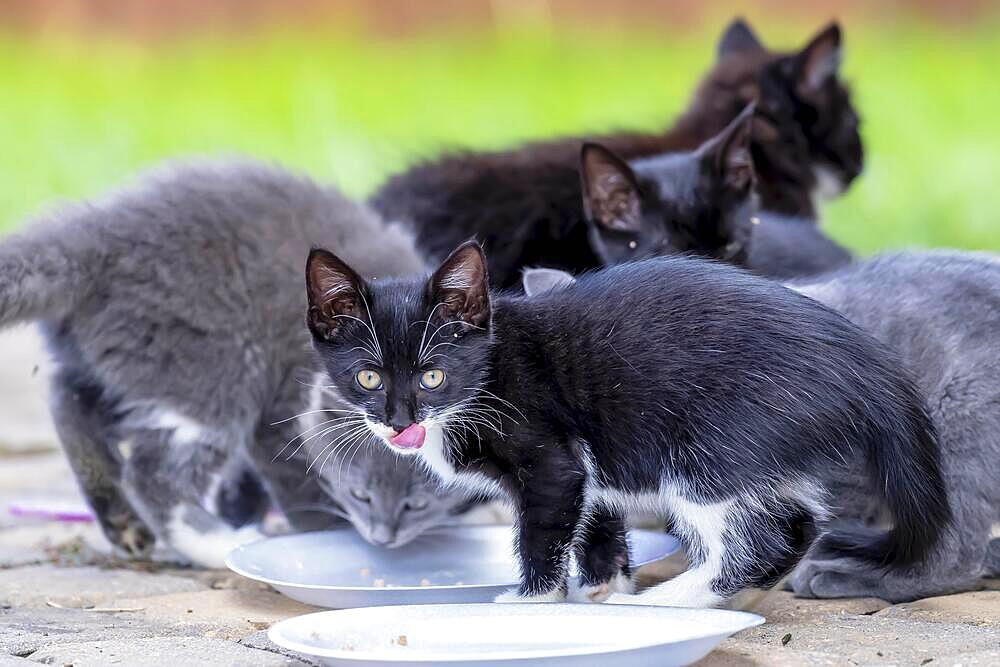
column 549, row 497
column 602, row 558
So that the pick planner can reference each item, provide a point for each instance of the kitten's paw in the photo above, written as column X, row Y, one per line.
column 837, row 578
column 514, row 595
column 129, row 534
column 601, row 592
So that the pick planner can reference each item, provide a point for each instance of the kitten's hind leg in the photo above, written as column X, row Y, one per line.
column 703, row 531
column 86, row 432
column 173, row 475
column 736, row 548
column 602, row 557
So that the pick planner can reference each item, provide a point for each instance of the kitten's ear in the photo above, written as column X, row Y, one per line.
column 334, row 292
column 738, row 37
column 727, row 155
column 536, row 281
column 819, row 61
column 610, row 190
column 461, row 284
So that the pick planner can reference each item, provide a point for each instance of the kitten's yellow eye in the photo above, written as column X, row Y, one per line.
column 432, row 379
column 369, row 380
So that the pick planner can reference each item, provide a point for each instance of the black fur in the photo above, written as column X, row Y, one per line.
column 671, row 375
column 524, row 204
column 702, row 203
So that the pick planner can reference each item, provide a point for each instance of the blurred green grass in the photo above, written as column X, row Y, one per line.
column 79, row 115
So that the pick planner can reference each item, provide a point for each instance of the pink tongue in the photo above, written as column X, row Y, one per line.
column 411, row 437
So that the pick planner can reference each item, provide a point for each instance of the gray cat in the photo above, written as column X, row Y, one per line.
column 941, row 311
column 173, row 309
column 390, row 500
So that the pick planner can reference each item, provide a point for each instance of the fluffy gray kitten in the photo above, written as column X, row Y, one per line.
column 941, row 311
column 390, row 500
column 173, row 309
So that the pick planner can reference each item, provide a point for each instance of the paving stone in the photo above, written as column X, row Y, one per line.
column 81, row 586
column 47, row 472
column 784, row 607
column 980, row 608
column 25, row 424
column 24, row 631
column 875, row 639
column 14, row 661
column 35, row 477
column 734, row 653
column 160, row 652
column 222, row 580
column 971, row 659
column 260, row 641
column 227, row 614
column 31, row 543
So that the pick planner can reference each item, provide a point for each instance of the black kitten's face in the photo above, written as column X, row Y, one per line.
column 806, row 123
column 408, row 355
column 802, row 95
column 699, row 202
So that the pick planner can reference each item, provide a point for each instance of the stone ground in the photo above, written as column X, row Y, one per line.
column 64, row 601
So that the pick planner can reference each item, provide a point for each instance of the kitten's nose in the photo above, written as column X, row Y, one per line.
column 399, row 426
column 382, row 534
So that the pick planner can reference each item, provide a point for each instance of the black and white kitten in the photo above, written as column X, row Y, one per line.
column 938, row 310
column 693, row 389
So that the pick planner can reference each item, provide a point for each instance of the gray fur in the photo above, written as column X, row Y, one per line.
column 390, row 500
column 535, row 281
column 174, row 310
column 941, row 311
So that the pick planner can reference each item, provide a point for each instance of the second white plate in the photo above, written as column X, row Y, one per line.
column 337, row 569
column 503, row 635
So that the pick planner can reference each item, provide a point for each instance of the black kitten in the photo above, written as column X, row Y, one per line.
column 704, row 202
column 524, row 204
column 695, row 390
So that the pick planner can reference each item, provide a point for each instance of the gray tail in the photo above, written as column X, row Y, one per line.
column 907, row 465
column 41, row 277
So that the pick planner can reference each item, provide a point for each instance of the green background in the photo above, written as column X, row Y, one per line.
column 78, row 115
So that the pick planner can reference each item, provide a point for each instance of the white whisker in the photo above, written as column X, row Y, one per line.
column 327, row 431
column 311, row 412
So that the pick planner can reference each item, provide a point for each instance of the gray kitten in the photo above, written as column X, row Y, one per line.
column 390, row 500
column 173, row 309
column 941, row 311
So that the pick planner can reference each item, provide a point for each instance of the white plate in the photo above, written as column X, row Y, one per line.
column 505, row 634
column 339, row 570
